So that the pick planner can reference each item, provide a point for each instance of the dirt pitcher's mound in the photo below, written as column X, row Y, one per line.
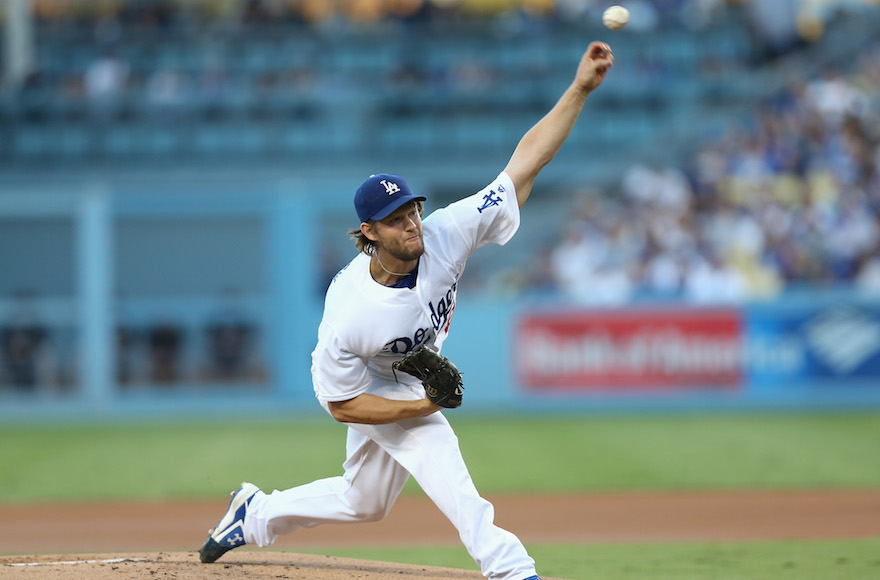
column 240, row 565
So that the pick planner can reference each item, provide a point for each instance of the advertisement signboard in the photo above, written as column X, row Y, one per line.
column 633, row 349
column 802, row 345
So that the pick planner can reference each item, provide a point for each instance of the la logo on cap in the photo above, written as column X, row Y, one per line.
column 390, row 187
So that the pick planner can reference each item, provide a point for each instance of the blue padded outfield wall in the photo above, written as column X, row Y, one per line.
column 813, row 350
column 140, row 299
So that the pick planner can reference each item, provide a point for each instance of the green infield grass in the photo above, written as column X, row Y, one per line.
column 777, row 560
column 177, row 460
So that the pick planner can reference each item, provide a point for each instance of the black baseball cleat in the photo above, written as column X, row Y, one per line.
column 229, row 533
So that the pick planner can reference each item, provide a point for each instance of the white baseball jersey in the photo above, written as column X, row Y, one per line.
column 367, row 326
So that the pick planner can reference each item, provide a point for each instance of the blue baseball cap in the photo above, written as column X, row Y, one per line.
column 380, row 195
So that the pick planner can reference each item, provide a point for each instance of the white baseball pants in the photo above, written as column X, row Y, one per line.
column 380, row 459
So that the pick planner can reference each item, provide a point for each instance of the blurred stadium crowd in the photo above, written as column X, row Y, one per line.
column 161, row 13
column 116, row 79
column 788, row 196
column 789, row 199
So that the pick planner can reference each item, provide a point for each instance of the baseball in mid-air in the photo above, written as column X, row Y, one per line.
column 615, row 17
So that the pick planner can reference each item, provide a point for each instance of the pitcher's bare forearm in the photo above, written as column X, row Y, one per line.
column 543, row 141
column 374, row 410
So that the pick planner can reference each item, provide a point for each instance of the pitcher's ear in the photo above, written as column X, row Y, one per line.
column 367, row 230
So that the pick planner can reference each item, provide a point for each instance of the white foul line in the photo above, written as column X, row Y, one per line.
column 72, row 562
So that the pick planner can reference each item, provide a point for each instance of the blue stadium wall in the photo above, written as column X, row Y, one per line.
column 106, row 256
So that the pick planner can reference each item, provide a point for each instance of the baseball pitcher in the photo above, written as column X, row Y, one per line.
column 377, row 366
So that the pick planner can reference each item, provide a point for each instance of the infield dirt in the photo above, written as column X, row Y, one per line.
column 160, row 540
